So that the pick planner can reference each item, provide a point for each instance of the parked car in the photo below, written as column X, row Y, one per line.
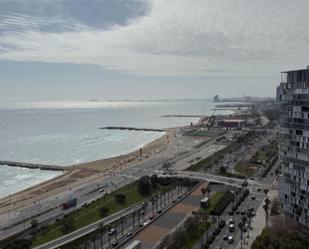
column 129, row 234
column 225, row 237
column 112, row 231
column 146, row 223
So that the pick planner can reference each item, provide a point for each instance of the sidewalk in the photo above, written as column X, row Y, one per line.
column 258, row 222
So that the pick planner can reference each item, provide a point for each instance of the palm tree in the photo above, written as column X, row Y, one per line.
column 101, row 234
column 266, row 191
column 152, row 204
column 266, row 209
column 244, row 184
column 122, row 220
column 133, row 216
column 109, row 237
column 94, row 240
column 241, row 226
column 116, row 231
column 249, row 215
column 244, row 220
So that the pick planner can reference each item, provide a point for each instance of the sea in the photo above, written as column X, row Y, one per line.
column 67, row 133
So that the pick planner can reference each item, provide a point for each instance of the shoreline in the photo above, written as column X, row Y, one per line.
column 79, row 174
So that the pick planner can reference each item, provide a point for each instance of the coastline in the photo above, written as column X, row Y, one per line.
column 82, row 173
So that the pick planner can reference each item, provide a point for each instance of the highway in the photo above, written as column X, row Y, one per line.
column 163, row 203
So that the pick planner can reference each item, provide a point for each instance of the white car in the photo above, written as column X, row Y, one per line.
column 146, row 223
column 230, row 239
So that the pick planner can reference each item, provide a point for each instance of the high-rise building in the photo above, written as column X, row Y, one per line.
column 293, row 95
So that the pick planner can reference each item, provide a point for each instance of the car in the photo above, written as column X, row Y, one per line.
column 159, row 211
column 231, row 221
column 112, row 231
column 225, row 237
column 101, row 190
column 174, row 201
column 146, row 223
column 237, row 212
column 243, row 212
column 129, row 234
column 115, row 244
column 151, row 216
column 259, row 190
column 231, row 227
column 253, row 197
column 230, row 239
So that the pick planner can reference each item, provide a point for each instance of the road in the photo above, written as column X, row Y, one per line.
column 180, row 153
column 129, row 225
column 17, row 220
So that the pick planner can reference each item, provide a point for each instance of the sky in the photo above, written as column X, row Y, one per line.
column 148, row 49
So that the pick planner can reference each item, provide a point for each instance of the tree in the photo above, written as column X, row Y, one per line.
column 104, row 211
column 20, row 244
column 133, row 217
column 244, row 221
column 144, row 186
column 34, row 223
column 266, row 191
column 245, row 184
column 68, row 224
column 122, row 221
column 120, row 198
column 154, row 180
column 266, row 209
column 101, row 234
column 241, row 227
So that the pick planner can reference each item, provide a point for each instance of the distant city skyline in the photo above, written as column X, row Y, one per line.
column 144, row 49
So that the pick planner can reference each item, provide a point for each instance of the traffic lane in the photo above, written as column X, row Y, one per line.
column 248, row 203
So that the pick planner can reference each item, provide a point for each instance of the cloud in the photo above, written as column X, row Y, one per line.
column 173, row 38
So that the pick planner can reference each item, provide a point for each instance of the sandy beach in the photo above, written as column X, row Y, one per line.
column 85, row 172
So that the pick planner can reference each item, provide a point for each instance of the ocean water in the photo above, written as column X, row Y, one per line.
column 67, row 133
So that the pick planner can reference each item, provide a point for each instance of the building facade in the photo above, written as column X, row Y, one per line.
column 293, row 95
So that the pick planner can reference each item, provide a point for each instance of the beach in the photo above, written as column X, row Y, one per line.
column 80, row 174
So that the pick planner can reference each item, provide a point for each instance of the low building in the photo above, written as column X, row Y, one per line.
column 232, row 123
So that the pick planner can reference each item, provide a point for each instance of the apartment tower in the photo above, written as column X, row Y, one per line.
column 293, row 95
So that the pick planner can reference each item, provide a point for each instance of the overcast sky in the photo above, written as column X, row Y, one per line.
column 148, row 49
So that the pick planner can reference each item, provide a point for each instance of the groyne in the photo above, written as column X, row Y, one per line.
column 34, row 166
column 182, row 116
column 130, row 128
